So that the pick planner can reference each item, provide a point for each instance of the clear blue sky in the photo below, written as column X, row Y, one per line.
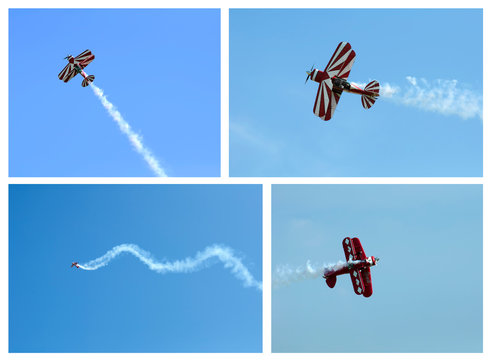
column 160, row 68
column 125, row 307
column 427, row 286
column 273, row 131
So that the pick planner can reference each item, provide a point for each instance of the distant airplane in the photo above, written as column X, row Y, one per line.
column 75, row 264
column 75, row 66
column 333, row 81
column 357, row 266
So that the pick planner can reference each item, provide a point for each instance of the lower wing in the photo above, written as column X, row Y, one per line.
column 67, row 73
column 357, row 282
column 326, row 100
column 361, row 281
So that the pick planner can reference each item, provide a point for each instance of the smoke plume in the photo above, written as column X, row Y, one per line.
column 445, row 97
column 285, row 275
column 203, row 259
column 135, row 139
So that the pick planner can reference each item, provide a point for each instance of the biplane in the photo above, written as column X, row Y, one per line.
column 75, row 264
column 75, row 66
column 357, row 265
column 333, row 81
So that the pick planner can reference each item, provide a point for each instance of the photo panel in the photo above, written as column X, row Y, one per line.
column 136, row 95
column 135, row 268
column 385, row 94
column 377, row 269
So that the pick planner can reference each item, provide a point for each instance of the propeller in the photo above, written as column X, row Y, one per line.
column 308, row 73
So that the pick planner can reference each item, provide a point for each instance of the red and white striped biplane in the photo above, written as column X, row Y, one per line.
column 76, row 66
column 333, row 81
column 357, row 266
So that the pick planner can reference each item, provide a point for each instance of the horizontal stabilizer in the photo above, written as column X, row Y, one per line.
column 373, row 89
column 331, row 281
column 88, row 80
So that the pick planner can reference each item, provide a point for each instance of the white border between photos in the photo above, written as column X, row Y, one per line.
column 267, row 182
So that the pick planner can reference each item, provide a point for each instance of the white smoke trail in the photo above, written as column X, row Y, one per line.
column 134, row 138
column 442, row 96
column 285, row 275
column 187, row 265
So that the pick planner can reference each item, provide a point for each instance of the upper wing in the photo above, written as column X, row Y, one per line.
column 326, row 100
column 353, row 249
column 341, row 62
column 70, row 75
column 66, row 72
column 84, row 58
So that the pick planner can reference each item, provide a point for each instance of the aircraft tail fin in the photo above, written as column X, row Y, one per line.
column 88, row 80
column 368, row 100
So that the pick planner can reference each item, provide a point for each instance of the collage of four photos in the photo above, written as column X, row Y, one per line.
column 259, row 181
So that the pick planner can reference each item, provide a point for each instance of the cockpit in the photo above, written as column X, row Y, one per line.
column 340, row 83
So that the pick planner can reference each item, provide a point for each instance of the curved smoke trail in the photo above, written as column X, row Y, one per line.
column 134, row 138
column 285, row 275
column 200, row 260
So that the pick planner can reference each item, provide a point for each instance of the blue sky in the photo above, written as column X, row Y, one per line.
column 273, row 131
column 427, row 286
column 125, row 307
column 160, row 68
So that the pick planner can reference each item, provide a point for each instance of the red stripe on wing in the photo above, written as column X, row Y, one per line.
column 70, row 75
column 84, row 58
column 326, row 100
column 66, row 70
column 322, row 101
column 341, row 62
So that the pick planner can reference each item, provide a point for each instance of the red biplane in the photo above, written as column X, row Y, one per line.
column 75, row 66
column 75, row 264
column 357, row 266
column 333, row 81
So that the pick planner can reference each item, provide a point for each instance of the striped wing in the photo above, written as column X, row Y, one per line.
column 341, row 62
column 353, row 249
column 66, row 73
column 84, row 58
column 373, row 87
column 368, row 101
column 326, row 100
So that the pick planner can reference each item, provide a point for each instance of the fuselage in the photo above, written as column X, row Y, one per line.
column 339, row 84
column 350, row 266
column 79, row 70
